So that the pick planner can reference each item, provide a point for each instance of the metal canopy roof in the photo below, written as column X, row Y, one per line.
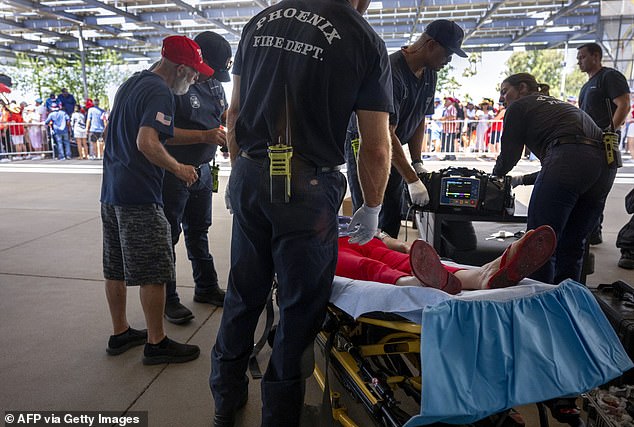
column 135, row 28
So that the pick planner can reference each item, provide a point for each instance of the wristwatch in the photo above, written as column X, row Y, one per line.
column 382, row 235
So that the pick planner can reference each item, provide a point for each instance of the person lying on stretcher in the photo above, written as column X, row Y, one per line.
column 388, row 260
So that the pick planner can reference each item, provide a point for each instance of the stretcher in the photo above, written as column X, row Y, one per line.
column 418, row 356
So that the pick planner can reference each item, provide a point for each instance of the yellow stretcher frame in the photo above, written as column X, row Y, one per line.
column 400, row 339
column 348, row 358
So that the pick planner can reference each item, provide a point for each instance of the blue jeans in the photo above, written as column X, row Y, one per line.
column 191, row 207
column 569, row 195
column 63, row 145
column 297, row 241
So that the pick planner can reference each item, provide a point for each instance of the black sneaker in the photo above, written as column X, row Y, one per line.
column 177, row 313
column 168, row 351
column 118, row 344
column 627, row 260
column 215, row 297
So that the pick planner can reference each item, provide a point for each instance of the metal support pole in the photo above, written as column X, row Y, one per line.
column 82, row 56
column 562, row 88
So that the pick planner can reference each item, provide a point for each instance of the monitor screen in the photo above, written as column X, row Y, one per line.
column 458, row 189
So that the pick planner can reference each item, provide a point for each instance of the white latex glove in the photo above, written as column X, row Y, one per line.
column 364, row 224
column 418, row 193
column 516, row 180
column 419, row 168
column 228, row 199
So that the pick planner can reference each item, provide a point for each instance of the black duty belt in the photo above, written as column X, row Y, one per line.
column 577, row 140
column 298, row 162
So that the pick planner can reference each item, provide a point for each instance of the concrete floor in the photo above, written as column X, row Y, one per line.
column 54, row 320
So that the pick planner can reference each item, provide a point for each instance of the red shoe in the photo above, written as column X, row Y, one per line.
column 524, row 257
column 428, row 269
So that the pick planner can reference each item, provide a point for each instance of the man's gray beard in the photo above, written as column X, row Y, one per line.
column 180, row 87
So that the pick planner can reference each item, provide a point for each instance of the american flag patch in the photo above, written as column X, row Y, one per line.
column 163, row 119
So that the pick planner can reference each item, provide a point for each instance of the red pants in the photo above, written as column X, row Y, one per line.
column 373, row 262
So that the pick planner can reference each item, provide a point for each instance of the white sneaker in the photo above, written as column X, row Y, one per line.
column 5, row 160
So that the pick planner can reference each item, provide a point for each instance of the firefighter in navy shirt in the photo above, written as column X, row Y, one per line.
column 414, row 75
column 301, row 68
column 605, row 86
column 199, row 115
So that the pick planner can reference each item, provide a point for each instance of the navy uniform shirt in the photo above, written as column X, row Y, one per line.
column 536, row 121
column 413, row 97
column 129, row 179
column 201, row 108
column 328, row 61
column 608, row 83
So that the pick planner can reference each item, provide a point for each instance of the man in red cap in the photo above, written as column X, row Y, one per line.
column 137, row 249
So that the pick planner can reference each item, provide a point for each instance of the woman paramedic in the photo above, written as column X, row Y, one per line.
column 571, row 187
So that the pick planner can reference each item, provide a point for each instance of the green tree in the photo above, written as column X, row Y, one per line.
column 45, row 75
column 574, row 81
column 446, row 85
column 544, row 65
column 474, row 59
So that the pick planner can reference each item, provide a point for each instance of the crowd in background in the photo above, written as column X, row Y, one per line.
column 31, row 131
column 455, row 127
column 467, row 127
column 463, row 127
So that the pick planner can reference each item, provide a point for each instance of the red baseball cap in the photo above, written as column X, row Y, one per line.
column 183, row 50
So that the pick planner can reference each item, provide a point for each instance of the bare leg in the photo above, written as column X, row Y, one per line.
column 408, row 281
column 116, row 293
column 153, row 303
column 477, row 278
column 519, row 260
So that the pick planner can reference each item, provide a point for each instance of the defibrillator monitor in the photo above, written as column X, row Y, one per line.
column 459, row 192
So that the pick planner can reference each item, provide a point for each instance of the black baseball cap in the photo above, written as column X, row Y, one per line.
column 448, row 34
column 216, row 52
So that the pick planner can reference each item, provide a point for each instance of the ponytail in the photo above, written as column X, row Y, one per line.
column 516, row 79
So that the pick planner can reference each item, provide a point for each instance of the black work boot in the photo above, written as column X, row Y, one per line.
column 177, row 313
column 229, row 419
column 627, row 260
column 215, row 297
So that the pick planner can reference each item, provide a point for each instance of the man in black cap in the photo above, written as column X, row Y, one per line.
column 414, row 75
column 199, row 115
